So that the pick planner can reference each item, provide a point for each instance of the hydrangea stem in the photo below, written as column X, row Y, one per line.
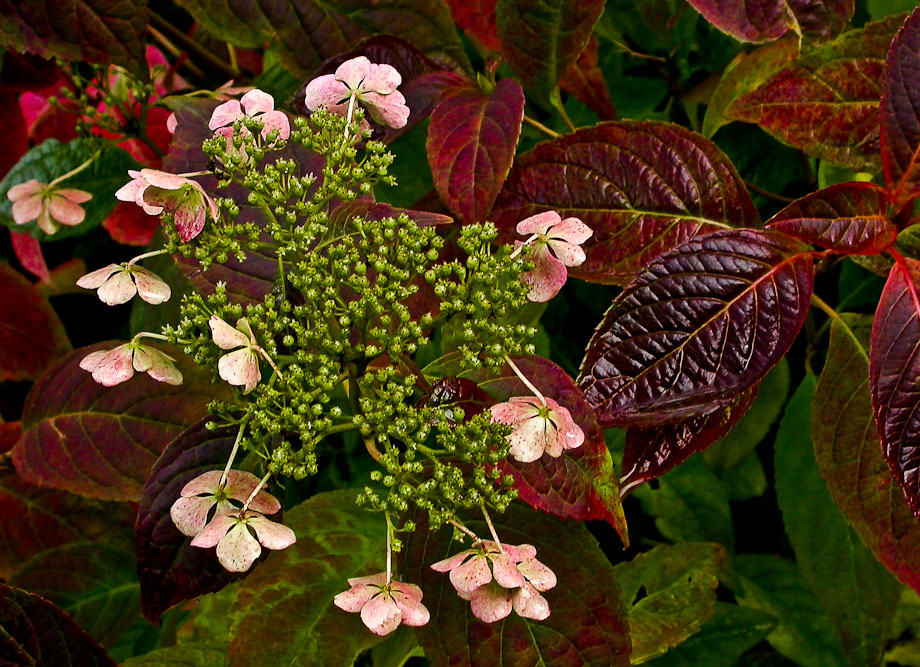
column 236, row 446
column 485, row 513
column 255, row 492
column 389, row 548
column 146, row 255
column 72, row 172
column 527, row 383
column 463, row 529
column 528, row 242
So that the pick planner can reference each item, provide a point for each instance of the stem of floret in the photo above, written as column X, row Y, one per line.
column 527, row 383
column 236, row 446
column 254, row 493
column 485, row 513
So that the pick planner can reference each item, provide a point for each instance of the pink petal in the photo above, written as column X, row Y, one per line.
column 538, row 224
column 238, row 549
column 472, row 574
column 76, row 196
column 243, row 325
column 528, row 440
column 571, row 230
column 271, row 534
column 505, row 571
column 353, row 72
column 189, row 218
column 118, row 289
column 162, row 368
column 115, row 367
column 257, row 101
column 548, row 276
column 190, row 514
column 225, row 336
column 390, row 110
column 240, row 368
column 381, row 615
column 569, row 433
column 91, row 360
column 526, row 552
column 324, row 91
column 356, row 597
column 490, row 603
column 414, row 613
column 450, row 563
column 45, row 222
column 132, row 190
column 541, row 577
column 205, row 483
column 410, row 591
column 516, row 409
column 65, row 211
column 171, row 123
column 23, row 190
column 567, row 253
column 214, row 532
column 528, row 603
column 150, row 287
column 225, row 114
column 164, row 180
column 382, row 79
column 276, row 120
column 377, row 580
column 26, row 210
column 240, row 484
column 95, row 279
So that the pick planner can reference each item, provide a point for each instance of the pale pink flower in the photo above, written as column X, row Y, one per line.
column 548, row 231
column 48, row 205
column 111, row 367
column 156, row 191
column 478, row 566
column 537, row 428
column 360, row 80
column 239, row 368
column 190, row 511
column 383, row 606
column 526, row 600
column 118, row 283
column 255, row 104
column 238, row 536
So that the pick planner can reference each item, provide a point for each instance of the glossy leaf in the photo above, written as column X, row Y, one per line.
column 850, row 457
column 900, row 112
column 336, row 540
column 676, row 587
column 98, row 31
column 35, row 632
column 766, row 20
column 471, row 142
column 850, row 218
column 100, row 441
column 857, row 593
column 734, row 302
column 894, row 365
column 826, row 102
column 587, row 622
column 34, row 337
column 643, row 187
column 585, row 80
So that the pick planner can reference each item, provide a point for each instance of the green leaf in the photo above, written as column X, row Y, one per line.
column 397, row 649
column 284, row 613
column 775, row 586
column 745, row 480
column 51, row 159
column 676, row 590
column 186, row 655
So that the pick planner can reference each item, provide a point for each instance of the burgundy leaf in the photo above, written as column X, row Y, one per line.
column 35, row 632
column 477, row 19
column 170, row 569
column 370, row 210
column 697, row 327
column 644, row 187
column 900, row 112
column 826, row 102
column 98, row 31
column 652, row 451
column 15, row 131
column 541, row 40
column 28, row 251
column 766, row 20
column 585, row 80
column 459, row 392
column 894, row 365
column 471, row 143
column 100, row 441
column 850, row 218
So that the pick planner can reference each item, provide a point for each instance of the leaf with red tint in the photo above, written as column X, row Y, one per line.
column 697, row 327
column 471, row 143
column 45, row 121
column 128, row 224
column 826, row 102
column 850, row 218
column 581, row 484
column 644, row 187
column 35, row 632
column 587, row 622
column 541, row 40
column 766, row 20
column 15, row 133
column 24, row 72
column 100, row 441
column 31, row 336
column 900, row 112
column 28, row 251
column 477, row 19
column 652, row 451
column 10, row 432
column 585, row 80
column 460, row 392
column 894, row 365
column 850, row 457
column 97, row 31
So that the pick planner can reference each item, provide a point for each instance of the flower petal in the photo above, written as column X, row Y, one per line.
column 381, row 615
column 150, row 287
column 472, row 574
column 214, row 532
column 548, row 276
column 538, row 224
column 225, row 114
column 120, row 288
column 190, row 514
column 240, row 368
column 541, row 577
column 324, row 91
column 162, row 368
column 27, row 209
column 91, row 360
column 356, row 597
column 528, row 603
column 567, row 253
column 571, row 230
column 271, row 534
column 414, row 613
column 516, row 409
column 382, row 79
column 164, row 180
column 27, row 189
column 65, row 211
column 238, row 550
column 490, row 603
column 74, row 195
column 130, row 190
column 353, row 72
column 528, row 439
column 449, row 564
column 189, row 218
column 256, row 102
column 115, row 367
column 276, row 120
column 206, row 482
column 95, row 279
column 225, row 336
column 390, row 110
column 505, row 571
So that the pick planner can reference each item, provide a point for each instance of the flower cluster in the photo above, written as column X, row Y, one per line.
column 383, row 603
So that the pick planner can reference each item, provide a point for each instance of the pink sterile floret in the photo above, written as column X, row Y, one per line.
column 369, row 83
column 383, row 606
column 564, row 237
column 156, row 191
column 190, row 511
column 112, row 367
column 49, row 206
column 257, row 105
column 537, row 428
column 239, row 368
column 237, row 547
column 118, row 283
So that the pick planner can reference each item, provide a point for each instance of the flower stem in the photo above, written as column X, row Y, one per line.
column 350, row 114
column 236, row 446
column 389, row 548
column 527, row 383
column 147, row 255
column 552, row 134
column 517, row 251
column 255, row 492
column 72, row 172
column 463, row 529
column 485, row 513
column 149, row 334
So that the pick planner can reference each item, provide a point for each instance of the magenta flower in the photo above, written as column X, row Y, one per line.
column 48, row 205
column 383, row 606
column 156, row 191
column 255, row 104
column 111, row 367
column 239, row 537
column 190, row 511
column 241, row 367
column 548, row 231
column 360, row 80
column 537, row 428
column 118, row 283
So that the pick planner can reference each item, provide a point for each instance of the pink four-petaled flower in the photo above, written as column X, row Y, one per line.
column 48, row 205
column 241, row 367
column 537, row 428
column 549, row 231
column 118, row 283
column 156, row 191
column 383, row 605
column 190, row 511
column 255, row 104
column 112, row 367
column 238, row 536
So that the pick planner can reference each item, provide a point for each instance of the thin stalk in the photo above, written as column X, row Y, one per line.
column 835, row 316
column 175, row 51
column 255, row 491
column 72, row 172
column 146, row 255
column 236, row 446
column 527, row 383
column 389, row 548
column 485, row 513
column 552, row 134
column 463, row 529
column 190, row 45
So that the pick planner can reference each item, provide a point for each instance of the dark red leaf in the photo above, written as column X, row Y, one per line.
column 100, row 441
column 98, row 31
column 851, row 218
column 697, row 327
column 28, row 251
column 471, row 143
column 900, row 112
column 35, row 632
column 31, row 335
column 15, row 132
column 170, row 570
column 766, row 20
column 10, row 432
column 23, row 72
column 585, row 80
column 128, row 224
column 643, row 187
column 459, row 392
column 652, row 451
column 477, row 19
column 541, row 40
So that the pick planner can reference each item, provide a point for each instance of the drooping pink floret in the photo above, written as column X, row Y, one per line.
column 232, row 534
column 371, row 84
column 112, row 367
column 190, row 511
column 257, row 105
column 118, row 283
column 156, row 191
column 549, row 232
column 537, row 428
column 49, row 206
column 478, row 566
column 383, row 606
column 239, row 368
